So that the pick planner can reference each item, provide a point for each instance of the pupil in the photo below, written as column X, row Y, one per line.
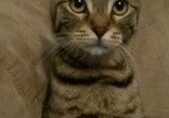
column 78, row 3
column 120, row 5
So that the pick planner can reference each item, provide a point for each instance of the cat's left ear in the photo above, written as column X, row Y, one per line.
column 136, row 4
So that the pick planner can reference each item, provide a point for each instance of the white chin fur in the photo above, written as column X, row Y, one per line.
column 98, row 51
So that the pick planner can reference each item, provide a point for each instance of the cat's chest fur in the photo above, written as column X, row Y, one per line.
column 100, row 98
column 97, row 98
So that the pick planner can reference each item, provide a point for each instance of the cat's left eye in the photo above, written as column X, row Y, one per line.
column 120, row 7
column 78, row 6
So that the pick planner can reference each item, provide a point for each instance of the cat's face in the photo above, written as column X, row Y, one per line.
column 94, row 27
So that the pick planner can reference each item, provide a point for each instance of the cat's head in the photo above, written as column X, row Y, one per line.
column 94, row 27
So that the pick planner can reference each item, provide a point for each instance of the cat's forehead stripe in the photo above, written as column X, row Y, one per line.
column 97, row 5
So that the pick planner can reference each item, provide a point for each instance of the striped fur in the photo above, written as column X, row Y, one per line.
column 86, row 80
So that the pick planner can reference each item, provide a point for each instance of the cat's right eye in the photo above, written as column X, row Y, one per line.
column 120, row 7
column 78, row 6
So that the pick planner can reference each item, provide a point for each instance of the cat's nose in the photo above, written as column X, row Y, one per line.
column 99, row 24
column 99, row 31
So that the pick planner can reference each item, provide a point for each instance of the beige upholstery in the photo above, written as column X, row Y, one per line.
column 151, row 48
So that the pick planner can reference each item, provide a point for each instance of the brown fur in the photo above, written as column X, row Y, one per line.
column 89, row 82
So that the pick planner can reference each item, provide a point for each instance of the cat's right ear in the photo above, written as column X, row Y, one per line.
column 55, row 13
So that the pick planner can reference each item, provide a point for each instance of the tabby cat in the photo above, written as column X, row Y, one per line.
column 92, row 72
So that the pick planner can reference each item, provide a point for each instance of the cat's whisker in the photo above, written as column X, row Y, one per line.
column 127, row 53
column 55, row 48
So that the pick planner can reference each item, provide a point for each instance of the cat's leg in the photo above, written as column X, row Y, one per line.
column 137, row 113
column 67, row 113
